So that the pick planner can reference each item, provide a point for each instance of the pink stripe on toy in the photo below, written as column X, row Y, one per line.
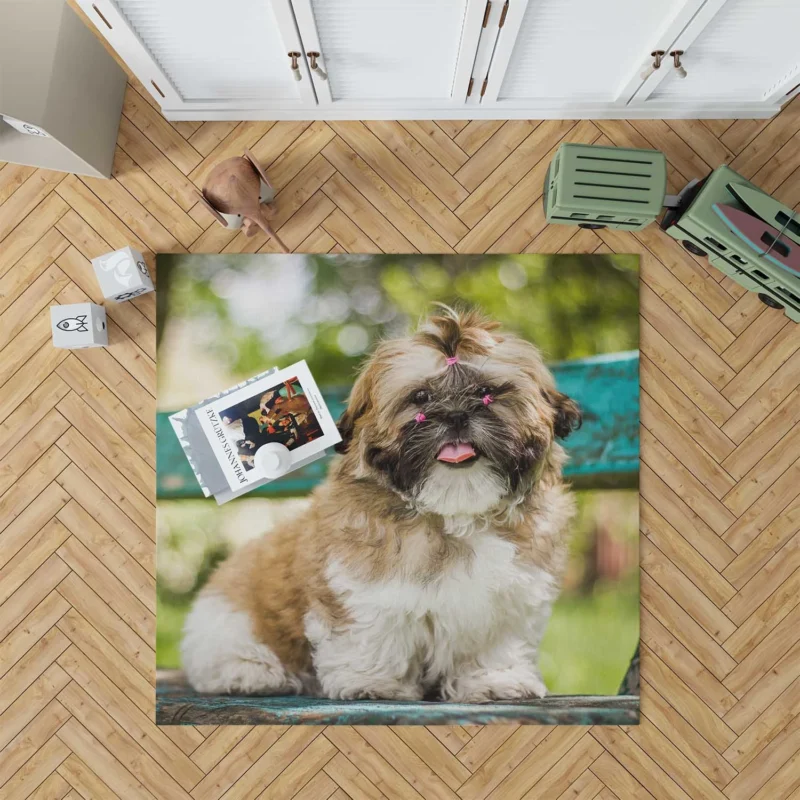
column 768, row 242
column 420, row 417
column 452, row 360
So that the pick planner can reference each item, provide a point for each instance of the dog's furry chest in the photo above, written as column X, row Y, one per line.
column 450, row 601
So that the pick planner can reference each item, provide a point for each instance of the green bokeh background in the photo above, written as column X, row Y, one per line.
column 224, row 318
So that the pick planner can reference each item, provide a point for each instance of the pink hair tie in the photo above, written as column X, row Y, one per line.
column 420, row 417
column 487, row 398
column 452, row 360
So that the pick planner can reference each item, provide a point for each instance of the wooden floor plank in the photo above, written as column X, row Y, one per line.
column 694, row 681
column 12, row 176
column 31, row 720
column 370, row 221
column 437, row 143
column 685, row 738
column 425, row 221
column 152, row 197
column 761, row 604
column 36, row 770
column 682, row 555
column 426, row 168
column 100, row 761
column 91, row 643
column 209, row 135
column 241, row 755
column 32, row 192
column 147, row 156
column 159, row 131
column 502, row 179
column 108, row 623
column 112, row 519
column 101, row 471
column 298, row 154
column 694, row 601
column 30, row 229
column 136, row 740
column 508, row 187
column 782, row 675
column 30, row 267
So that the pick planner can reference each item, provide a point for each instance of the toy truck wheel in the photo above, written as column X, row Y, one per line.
column 693, row 248
column 769, row 301
column 592, row 226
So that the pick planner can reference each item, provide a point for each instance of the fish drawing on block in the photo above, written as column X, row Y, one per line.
column 764, row 239
column 77, row 324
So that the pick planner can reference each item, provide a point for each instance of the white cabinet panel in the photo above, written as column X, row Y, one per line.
column 388, row 51
column 582, row 50
column 231, row 54
column 747, row 51
column 446, row 59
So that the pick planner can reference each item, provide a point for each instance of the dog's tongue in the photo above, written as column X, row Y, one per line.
column 456, row 452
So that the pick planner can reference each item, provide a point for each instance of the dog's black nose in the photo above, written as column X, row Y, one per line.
column 458, row 419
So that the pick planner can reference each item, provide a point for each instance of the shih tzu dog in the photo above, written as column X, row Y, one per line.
column 428, row 561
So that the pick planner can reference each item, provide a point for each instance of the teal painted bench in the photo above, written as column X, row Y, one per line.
column 604, row 453
column 177, row 704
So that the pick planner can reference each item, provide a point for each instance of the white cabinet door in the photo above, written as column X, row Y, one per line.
column 218, row 55
column 576, row 54
column 736, row 51
column 391, row 53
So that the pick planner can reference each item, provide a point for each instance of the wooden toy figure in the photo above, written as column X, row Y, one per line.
column 238, row 193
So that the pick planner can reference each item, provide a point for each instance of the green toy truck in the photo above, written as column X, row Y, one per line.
column 745, row 234
column 696, row 224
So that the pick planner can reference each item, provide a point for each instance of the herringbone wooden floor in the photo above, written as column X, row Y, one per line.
column 720, row 471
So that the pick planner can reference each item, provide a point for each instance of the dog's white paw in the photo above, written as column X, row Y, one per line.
column 484, row 686
column 221, row 655
column 385, row 690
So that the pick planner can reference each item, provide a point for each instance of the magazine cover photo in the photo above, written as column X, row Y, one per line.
column 281, row 414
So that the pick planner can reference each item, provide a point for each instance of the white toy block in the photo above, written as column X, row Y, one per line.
column 78, row 325
column 122, row 275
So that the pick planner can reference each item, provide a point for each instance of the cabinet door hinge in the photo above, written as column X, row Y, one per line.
column 469, row 88
column 503, row 15
column 483, row 88
column 486, row 13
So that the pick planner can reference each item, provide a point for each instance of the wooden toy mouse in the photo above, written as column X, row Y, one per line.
column 238, row 194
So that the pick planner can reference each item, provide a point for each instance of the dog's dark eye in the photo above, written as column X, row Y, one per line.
column 484, row 390
column 420, row 396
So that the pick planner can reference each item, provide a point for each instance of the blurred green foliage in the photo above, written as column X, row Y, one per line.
column 258, row 310
column 590, row 639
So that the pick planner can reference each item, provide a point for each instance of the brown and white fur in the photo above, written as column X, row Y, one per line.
column 409, row 577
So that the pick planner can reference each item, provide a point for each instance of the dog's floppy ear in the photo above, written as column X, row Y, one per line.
column 357, row 404
column 568, row 417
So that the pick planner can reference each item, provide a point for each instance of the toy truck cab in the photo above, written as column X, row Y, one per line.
column 701, row 230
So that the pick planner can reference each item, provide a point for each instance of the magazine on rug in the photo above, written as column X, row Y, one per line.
column 277, row 407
